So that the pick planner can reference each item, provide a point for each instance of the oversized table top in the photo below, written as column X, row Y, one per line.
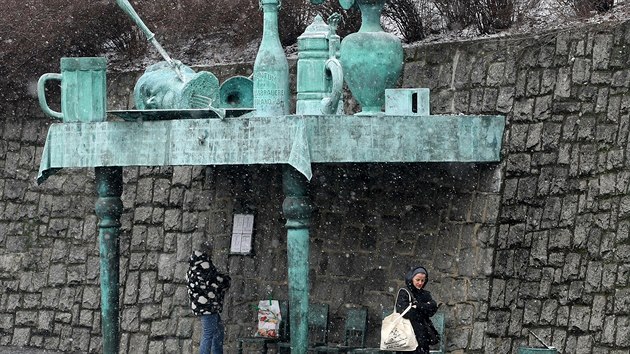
column 292, row 139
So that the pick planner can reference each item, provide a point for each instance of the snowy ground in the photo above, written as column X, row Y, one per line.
column 548, row 15
column 218, row 49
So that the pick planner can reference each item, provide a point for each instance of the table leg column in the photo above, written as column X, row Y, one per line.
column 297, row 211
column 109, row 208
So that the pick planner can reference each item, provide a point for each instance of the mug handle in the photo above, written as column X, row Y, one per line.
column 41, row 94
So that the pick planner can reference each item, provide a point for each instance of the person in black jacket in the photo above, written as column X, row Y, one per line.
column 206, row 289
column 423, row 307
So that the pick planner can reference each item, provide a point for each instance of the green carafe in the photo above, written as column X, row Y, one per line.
column 372, row 59
column 271, row 68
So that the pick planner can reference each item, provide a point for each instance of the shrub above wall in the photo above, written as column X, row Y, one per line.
column 537, row 242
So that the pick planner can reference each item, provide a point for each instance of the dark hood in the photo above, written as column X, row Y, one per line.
column 409, row 277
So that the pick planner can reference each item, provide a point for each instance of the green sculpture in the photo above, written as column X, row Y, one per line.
column 170, row 84
column 319, row 72
column 372, row 59
column 83, row 90
column 271, row 68
column 128, row 9
column 109, row 208
column 175, row 124
column 160, row 87
column 236, row 92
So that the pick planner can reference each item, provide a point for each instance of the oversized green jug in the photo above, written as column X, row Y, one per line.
column 372, row 59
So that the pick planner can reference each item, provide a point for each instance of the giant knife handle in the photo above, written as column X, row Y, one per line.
column 128, row 9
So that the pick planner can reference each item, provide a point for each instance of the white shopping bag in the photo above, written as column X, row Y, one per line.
column 269, row 318
column 397, row 333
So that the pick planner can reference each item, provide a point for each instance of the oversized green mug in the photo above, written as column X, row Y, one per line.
column 83, row 90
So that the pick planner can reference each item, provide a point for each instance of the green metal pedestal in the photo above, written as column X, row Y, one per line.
column 109, row 208
column 297, row 211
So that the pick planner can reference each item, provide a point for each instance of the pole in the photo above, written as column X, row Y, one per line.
column 109, row 208
column 297, row 211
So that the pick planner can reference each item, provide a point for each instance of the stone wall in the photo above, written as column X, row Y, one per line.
column 561, row 248
column 537, row 242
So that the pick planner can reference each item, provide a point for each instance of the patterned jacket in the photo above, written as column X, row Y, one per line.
column 206, row 285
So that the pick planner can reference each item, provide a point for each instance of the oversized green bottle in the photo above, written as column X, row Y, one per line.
column 271, row 68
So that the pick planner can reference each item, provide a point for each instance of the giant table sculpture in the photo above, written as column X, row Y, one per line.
column 187, row 118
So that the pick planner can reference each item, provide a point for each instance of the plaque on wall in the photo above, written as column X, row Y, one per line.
column 242, row 231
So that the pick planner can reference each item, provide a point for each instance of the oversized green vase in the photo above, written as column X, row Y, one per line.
column 372, row 59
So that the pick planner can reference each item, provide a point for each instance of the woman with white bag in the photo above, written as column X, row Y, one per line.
column 422, row 308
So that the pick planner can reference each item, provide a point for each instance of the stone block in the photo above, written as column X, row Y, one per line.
column 57, row 274
column 505, row 99
column 91, row 298
column 130, row 320
column 138, row 343
column 156, row 346
column 172, row 219
column 138, row 238
column 477, row 337
column 185, row 327
column 80, row 340
column 144, row 191
column 581, row 71
column 602, row 46
column 155, row 239
column 6, row 322
column 497, row 345
column 142, row 215
column 459, row 339
column 563, row 85
column 26, row 318
column 10, row 263
column 21, row 337
column 622, row 301
column 45, row 321
column 92, row 268
column 166, row 266
column 515, row 324
column 148, row 283
column 75, row 274
column 182, row 176
column 497, row 323
column 579, row 318
column 160, row 328
column 161, row 191
column 86, row 318
column 150, row 312
column 172, row 345
column 518, row 164
column 622, row 333
column 608, row 330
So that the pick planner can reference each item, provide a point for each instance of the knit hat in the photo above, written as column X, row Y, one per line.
column 419, row 270
column 412, row 273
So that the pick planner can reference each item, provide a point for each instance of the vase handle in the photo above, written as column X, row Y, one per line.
column 330, row 103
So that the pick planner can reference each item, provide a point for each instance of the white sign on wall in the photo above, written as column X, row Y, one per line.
column 242, row 230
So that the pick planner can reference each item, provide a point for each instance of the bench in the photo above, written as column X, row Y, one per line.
column 283, row 332
column 317, row 328
column 353, row 334
column 438, row 323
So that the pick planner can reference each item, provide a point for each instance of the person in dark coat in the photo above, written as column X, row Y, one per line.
column 423, row 307
column 206, row 290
